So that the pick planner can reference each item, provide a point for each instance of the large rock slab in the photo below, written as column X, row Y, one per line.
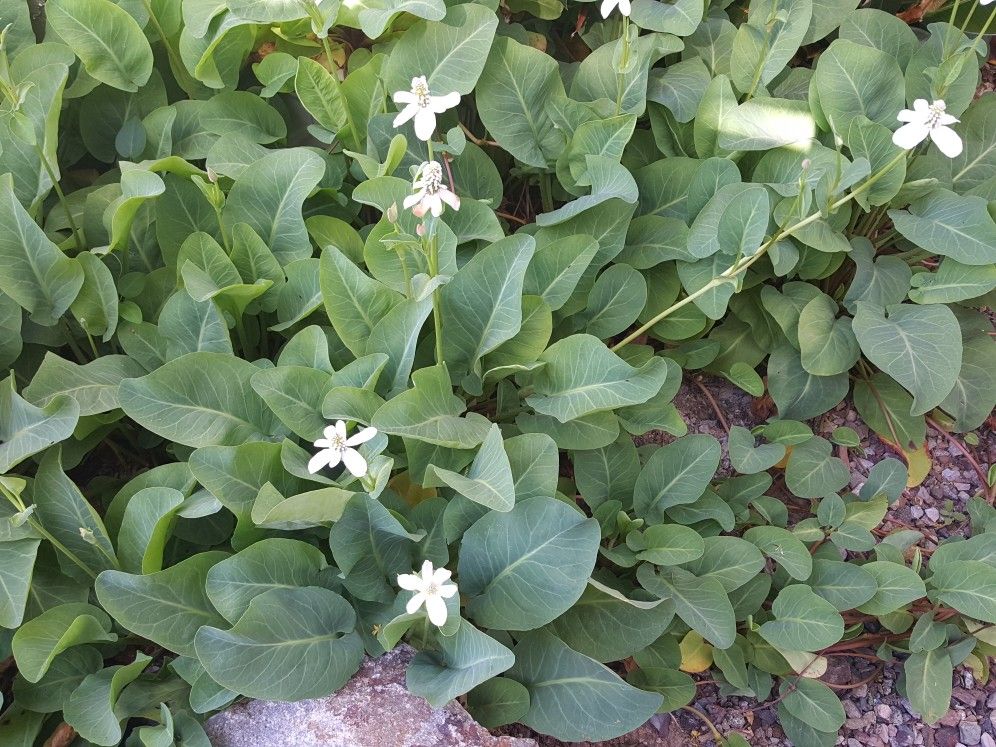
column 374, row 709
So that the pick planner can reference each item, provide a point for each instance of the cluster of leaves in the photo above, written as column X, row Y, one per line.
column 204, row 263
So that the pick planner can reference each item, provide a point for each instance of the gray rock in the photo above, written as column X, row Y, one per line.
column 969, row 733
column 374, row 709
column 987, row 741
column 932, row 514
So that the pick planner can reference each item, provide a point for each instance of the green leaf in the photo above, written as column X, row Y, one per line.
column 812, row 472
column 290, row 644
column 69, row 669
column 918, row 346
column 733, row 222
column 498, row 701
column 844, row 585
column 885, row 407
column 355, row 303
column 319, row 92
column 268, row 197
column 482, row 305
column 676, row 474
column 826, row 344
column 883, row 282
column 952, row 282
column 557, row 267
column 92, row 709
column 951, row 225
column 94, row 385
column 199, row 399
column 615, row 301
column 464, row 660
column 582, row 376
column 515, row 85
column 371, row 548
column 268, row 564
column 897, row 587
column 702, row 603
column 17, row 561
column 671, row 544
column 489, row 479
column 167, row 607
column 749, row 459
column 784, row 548
column 106, row 38
column 814, row 703
column 146, row 527
column 295, row 395
column 61, row 508
column 969, row 586
column 803, row 621
column 608, row 626
column 769, row 39
column 38, row 641
column 26, row 430
column 974, row 395
column 887, row 478
column 574, row 698
column 524, row 568
column 852, row 79
column 450, row 53
column 430, row 412
column 36, row 273
column 928, row 683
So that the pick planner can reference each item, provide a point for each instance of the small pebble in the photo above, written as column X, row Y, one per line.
column 970, row 733
column 987, row 741
column 916, row 512
column 932, row 514
column 883, row 711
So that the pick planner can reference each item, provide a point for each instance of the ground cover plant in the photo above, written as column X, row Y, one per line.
column 335, row 325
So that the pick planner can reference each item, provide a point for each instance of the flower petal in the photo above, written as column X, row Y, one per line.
column 320, row 461
column 625, row 7
column 425, row 124
column 405, row 114
column 364, row 435
column 922, row 107
column 436, row 608
column 329, row 432
column 340, row 429
column 441, row 576
column 415, row 602
column 411, row 200
column 449, row 198
column 908, row 115
column 910, row 135
column 947, row 119
column 403, row 97
column 435, row 204
column 409, row 581
column 947, row 141
column 427, row 571
column 354, row 462
column 607, row 6
column 447, row 591
column 439, row 104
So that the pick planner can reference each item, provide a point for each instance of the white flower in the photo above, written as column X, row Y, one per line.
column 925, row 120
column 335, row 447
column 985, row 2
column 430, row 192
column 424, row 107
column 431, row 590
column 624, row 7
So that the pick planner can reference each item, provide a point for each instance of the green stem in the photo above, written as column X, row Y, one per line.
column 988, row 23
column 77, row 234
column 77, row 350
column 183, row 77
column 93, row 345
column 240, row 330
column 742, row 265
column 408, row 276
column 437, row 317
column 623, row 64
column 546, row 193
column 18, row 504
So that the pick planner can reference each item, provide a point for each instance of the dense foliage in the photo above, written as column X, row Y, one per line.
column 219, row 237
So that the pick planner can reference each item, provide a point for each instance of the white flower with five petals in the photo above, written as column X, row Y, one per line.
column 609, row 5
column 336, row 447
column 430, row 589
column 423, row 106
column 928, row 120
column 430, row 192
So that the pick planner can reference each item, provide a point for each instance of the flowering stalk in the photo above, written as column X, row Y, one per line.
column 737, row 268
